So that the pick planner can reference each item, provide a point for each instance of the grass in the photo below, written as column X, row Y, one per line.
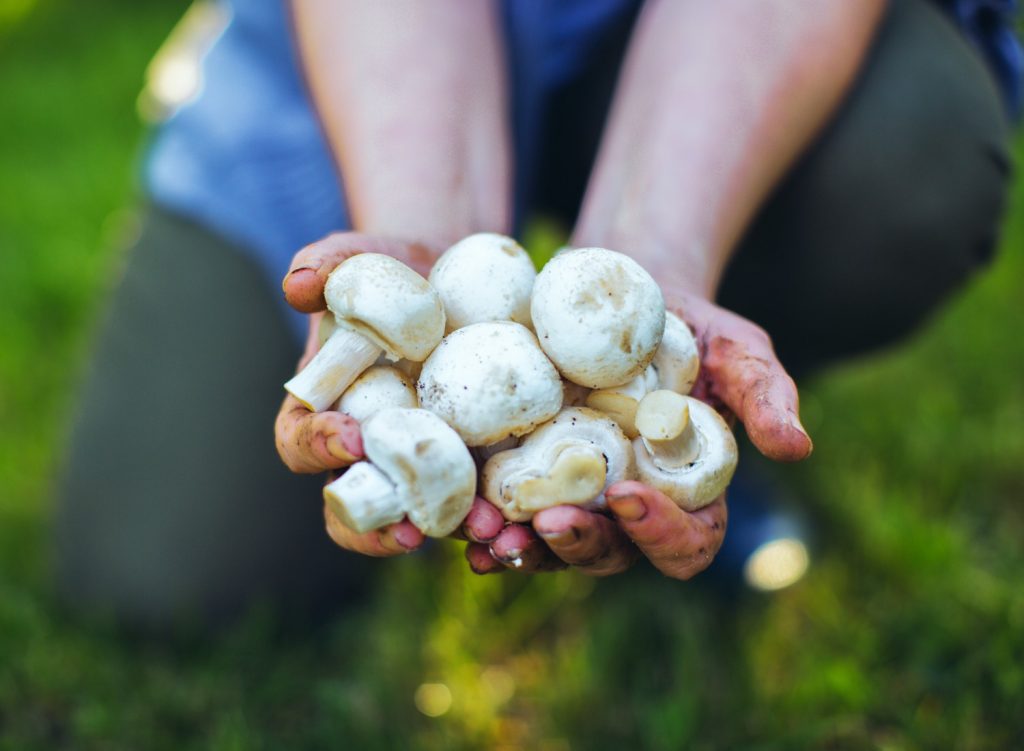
column 908, row 633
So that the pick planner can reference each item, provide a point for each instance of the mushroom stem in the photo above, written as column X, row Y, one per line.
column 339, row 362
column 576, row 476
column 364, row 498
column 663, row 422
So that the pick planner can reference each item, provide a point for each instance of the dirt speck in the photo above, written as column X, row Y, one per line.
column 626, row 341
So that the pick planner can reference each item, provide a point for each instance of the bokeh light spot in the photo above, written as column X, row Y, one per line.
column 777, row 564
column 433, row 699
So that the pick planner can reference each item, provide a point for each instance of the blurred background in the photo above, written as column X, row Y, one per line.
column 906, row 632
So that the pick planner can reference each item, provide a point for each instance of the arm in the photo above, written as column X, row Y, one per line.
column 716, row 102
column 411, row 99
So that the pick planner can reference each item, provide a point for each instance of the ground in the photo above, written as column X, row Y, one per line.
column 908, row 632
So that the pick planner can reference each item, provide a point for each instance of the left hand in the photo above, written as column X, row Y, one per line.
column 740, row 372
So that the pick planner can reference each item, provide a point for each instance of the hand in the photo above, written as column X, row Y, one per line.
column 311, row 442
column 739, row 371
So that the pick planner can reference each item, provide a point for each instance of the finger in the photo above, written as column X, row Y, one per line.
column 310, row 442
column 303, row 285
column 483, row 522
column 517, row 547
column 591, row 542
column 481, row 561
column 394, row 539
column 747, row 376
column 679, row 544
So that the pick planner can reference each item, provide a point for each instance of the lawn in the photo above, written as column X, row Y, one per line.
column 907, row 633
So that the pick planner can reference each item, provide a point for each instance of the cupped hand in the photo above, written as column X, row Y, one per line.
column 643, row 523
column 312, row 442
column 739, row 374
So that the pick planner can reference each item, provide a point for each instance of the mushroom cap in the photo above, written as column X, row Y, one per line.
column 598, row 315
column 378, row 387
column 573, row 430
column 490, row 381
column 484, row 277
column 427, row 462
column 388, row 303
column 704, row 479
column 676, row 360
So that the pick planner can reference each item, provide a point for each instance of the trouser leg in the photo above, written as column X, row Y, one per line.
column 173, row 503
column 896, row 205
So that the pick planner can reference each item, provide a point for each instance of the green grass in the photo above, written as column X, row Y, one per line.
column 908, row 633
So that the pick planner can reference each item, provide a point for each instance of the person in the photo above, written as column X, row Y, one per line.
column 806, row 182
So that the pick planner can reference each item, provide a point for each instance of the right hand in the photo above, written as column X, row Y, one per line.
column 312, row 442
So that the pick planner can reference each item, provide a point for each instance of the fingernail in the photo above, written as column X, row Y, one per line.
column 560, row 537
column 473, row 537
column 353, row 442
column 336, row 447
column 390, row 542
column 628, row 507
column 794, row 420
column 407, row 538
column 293, row 272
column 510, row 557
column 311, row 266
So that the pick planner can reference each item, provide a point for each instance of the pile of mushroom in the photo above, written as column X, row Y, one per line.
column 561, row 383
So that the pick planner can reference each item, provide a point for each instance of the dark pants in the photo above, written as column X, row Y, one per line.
column 174, row 501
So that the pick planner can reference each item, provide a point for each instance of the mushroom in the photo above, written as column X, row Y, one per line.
column 490, row 381
column 676, row 360
column 408, row 367
column 685, row 449
column 417, row 467
column 378, row 387
column 620, row 402
column 570, row 459
column 598, row 315
column 380, row 305
column 674, row 367
column 484, row 277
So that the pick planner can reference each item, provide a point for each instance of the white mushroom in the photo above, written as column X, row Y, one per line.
column 490, row 381
column 674, row 367
column 417, row 467
column 484, row 277
column 378, row 387
column 598, row 315
column 380, row 305
column 685, row 449
column 620, row 402
column 571, row 459
column 676, row 361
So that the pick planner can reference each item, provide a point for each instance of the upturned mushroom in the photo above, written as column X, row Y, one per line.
column 378, row 387
column 685, row 448
column 484, row 277
column 570, row 459
column 380, row 306
column 674, row 367
column 490, row 381
column 598, row 315
column 417, row 467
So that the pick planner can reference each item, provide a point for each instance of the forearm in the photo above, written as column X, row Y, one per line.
column 716, row 102
column 412, row 100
